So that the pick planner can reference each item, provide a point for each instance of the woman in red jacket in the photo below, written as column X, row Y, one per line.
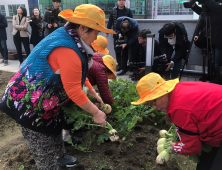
column 195, row 108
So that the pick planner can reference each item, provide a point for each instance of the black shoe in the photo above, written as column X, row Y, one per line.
column 118, row 68
column 133, row 79
column 67, row 161
column 132, row 75
column 122, row 72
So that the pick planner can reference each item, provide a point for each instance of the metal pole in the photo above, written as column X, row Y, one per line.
column 150, row 40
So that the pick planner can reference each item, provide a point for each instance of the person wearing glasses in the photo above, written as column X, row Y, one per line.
column 118, row 11
column 173, row 37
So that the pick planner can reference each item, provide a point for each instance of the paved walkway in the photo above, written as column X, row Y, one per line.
column 13, row 66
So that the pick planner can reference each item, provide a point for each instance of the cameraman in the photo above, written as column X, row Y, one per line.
column 215, row 8
column 118, row 11
column 173, row 36
column 126, row 28
column 51, row 20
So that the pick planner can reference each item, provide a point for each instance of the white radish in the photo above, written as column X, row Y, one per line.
column 161, row 141
column 160, row 148
column 163, row 157
column 107, row 108
column 113, row 135
column 164, row 134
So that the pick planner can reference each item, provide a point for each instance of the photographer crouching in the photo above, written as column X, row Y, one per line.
column 215, row 8
column 126, row 29
column 160, row 62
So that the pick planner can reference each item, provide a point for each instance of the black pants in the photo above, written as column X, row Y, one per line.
column 18, row 40
column 124, row 58
column 118, row 54
column 211, row 160
column 176, row 66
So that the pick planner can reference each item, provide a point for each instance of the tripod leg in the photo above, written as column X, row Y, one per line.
column 204, row 64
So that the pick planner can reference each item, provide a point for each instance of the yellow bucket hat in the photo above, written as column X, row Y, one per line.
column 110, row 63
column 88, row 15
column 153, row 86
column 100, row 45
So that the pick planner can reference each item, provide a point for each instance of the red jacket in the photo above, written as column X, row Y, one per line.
column 97, row 76
column 196, row 107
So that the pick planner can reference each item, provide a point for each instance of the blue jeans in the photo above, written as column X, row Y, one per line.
column 4, row 50
column 217, row 57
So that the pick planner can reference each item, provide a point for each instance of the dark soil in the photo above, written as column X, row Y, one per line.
column 136, row 152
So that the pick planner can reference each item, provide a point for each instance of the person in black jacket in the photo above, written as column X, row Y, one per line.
column 173, row 36
column 126, row 29
column 51, row 20
column 215, row 8
column 3, row 38
column 141, row 52
column 118, row 11
column 37, row 27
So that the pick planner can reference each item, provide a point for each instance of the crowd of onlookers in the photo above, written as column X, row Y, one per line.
column 40, row 28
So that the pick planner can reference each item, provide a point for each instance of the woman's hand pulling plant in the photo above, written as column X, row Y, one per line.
column 93, row 93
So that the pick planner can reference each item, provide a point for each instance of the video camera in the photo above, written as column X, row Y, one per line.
column 118, row 43
column 159, row 65
column 191, row 2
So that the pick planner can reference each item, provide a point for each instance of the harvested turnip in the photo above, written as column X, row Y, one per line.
column 107, row 108
column 113, row 134
column 139, row 119
column 164, row 134
column 163, row 157
column 160, row 148
column 161, row 141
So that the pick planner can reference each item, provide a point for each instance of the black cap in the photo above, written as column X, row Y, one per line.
column 168, row 28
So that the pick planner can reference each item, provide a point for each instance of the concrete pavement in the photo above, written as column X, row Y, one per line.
column 13, row 66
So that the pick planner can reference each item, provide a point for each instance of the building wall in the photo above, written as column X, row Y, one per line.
column 153, row 25
column 141, row 9
column 12, row 5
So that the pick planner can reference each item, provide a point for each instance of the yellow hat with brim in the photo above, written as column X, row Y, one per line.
column 100, row 44
column 87, row 15
column 153, row 86
column 110, row 63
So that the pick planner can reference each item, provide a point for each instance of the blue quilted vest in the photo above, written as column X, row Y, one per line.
column 35, row 95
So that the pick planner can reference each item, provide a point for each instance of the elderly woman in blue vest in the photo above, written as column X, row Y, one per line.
column 55, row 72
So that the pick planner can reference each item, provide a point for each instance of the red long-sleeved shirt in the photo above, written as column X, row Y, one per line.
column 196, row 107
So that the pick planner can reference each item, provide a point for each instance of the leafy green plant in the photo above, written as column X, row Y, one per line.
column 22, row 167
column 85, row 146
column 123, row 117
